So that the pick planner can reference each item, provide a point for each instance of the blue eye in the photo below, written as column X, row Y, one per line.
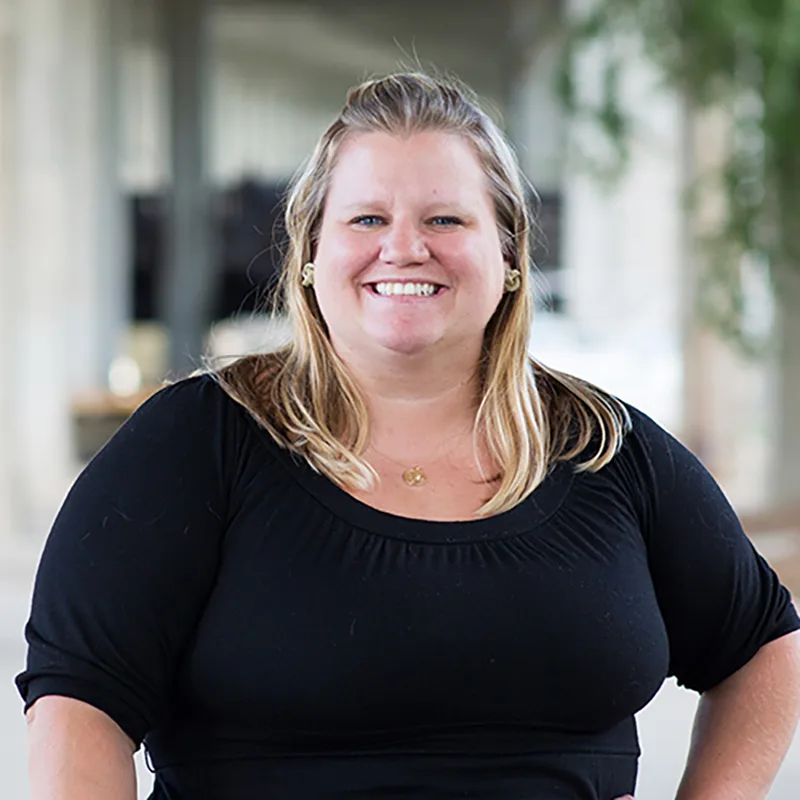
column 368, row 220
column 445, row 221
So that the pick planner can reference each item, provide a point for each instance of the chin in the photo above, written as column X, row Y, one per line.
column 405, row 347
column 406, row 340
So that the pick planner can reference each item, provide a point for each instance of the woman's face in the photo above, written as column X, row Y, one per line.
column 409, row 257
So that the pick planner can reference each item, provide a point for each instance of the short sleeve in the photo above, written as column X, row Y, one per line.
column 131, row 559
column 719, row 598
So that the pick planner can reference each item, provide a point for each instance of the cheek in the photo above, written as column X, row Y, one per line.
column 485, row 266
column 344, row 252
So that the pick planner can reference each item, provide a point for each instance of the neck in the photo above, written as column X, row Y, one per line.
column 417, row 398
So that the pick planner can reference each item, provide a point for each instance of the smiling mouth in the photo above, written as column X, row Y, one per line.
column 405, row 289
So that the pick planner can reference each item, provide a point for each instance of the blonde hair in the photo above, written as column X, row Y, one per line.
column 529, row 416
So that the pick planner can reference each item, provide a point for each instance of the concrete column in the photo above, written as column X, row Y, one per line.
column 725, row 412
column 38, row 282
column 624, row 235
column 539, row 124
column 534, row 116
column 784, row 477
column 100, row 277
column 7, row 259
column 622, row 241
column 62, row 274
column 186, row 291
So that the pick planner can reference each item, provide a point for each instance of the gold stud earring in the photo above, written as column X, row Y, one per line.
column 307, row 274
column 513, row 280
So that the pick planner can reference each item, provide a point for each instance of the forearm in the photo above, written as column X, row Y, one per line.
column 77, row 753
column 744, row 726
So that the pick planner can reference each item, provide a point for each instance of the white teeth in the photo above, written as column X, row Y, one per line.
column 414, row 289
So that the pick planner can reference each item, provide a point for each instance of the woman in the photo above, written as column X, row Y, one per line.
column 398, row 557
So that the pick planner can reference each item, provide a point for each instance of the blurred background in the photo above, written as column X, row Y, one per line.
column 144, row 149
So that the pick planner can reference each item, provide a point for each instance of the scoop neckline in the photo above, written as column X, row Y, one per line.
column 527, row 515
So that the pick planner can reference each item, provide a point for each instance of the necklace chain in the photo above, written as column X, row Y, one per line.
column 414, row 476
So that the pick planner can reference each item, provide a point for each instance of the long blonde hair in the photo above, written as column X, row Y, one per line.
column 529, row 416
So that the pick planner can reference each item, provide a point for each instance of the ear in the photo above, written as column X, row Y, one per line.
column 507, row 250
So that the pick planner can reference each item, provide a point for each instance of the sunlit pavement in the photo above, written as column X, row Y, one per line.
column 664, row 725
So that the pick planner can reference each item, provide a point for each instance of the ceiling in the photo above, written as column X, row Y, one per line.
column 469, row 38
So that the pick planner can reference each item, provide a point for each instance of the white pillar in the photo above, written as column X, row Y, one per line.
column 726, row 411
column 38, row 282
column 7, row 260
column 62, row 295
column 100, row 278
column 622, row 240
column 536, row 119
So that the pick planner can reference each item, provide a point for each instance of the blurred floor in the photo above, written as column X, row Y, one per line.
column 664, row 725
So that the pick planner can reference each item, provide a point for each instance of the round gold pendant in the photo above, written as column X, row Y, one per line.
column 414, row 476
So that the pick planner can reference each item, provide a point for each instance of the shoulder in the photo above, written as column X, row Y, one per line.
column 200, row 391
column 658, row 453
column 644, row 465
column 191, row 422
column 198, row 400
column 189, row 442
column 668, row 481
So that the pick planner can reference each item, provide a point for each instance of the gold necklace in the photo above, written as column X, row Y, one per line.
column 414, row 476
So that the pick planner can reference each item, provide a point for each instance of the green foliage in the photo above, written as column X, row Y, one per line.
column 741, row 55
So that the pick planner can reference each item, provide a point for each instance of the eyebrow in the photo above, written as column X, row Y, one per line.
column 363, row 204
column 375, row 205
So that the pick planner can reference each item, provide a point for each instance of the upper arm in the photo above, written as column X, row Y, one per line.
column 130, row 561
column 77, row 751
column 719, row 598
column 54, row 717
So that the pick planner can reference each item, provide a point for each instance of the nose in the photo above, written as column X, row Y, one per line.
column 403, row 244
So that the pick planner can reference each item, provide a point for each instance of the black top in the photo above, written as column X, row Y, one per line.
column 268, row 635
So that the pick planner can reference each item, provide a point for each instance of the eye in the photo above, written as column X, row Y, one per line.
column 368, row 220
column 445, row 222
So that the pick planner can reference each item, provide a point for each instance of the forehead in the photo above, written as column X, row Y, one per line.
column 428, row 166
